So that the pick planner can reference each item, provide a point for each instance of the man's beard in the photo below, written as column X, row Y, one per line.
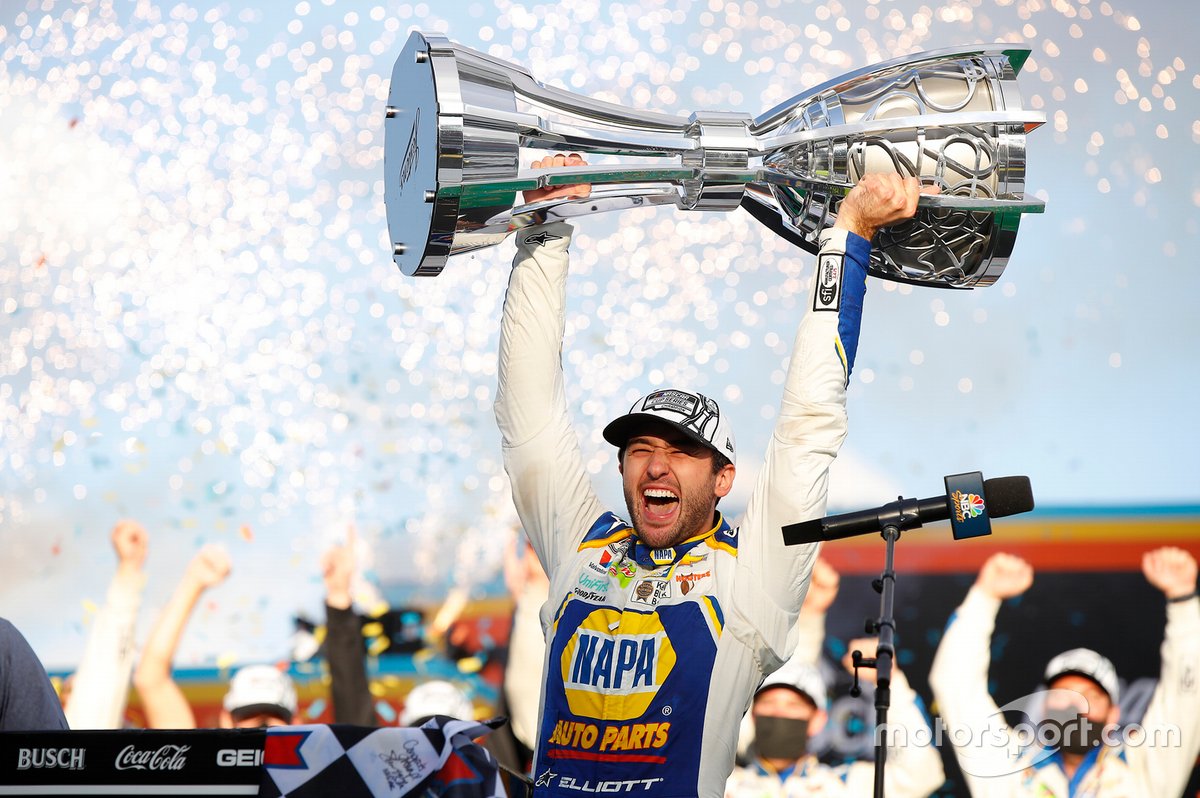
column 693, row 517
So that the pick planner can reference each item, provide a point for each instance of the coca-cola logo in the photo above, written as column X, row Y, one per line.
column 166, row 757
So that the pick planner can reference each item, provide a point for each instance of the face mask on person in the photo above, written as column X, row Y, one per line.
column 780, row 738
column 1068, row 730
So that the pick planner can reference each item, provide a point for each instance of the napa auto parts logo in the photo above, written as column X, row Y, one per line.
column 966, row 505
column 612, row 667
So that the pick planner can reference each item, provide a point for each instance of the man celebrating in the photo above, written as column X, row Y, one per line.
column 659, row 630
column 1081, row 754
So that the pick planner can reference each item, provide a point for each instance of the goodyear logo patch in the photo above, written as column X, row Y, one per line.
column 614, row 664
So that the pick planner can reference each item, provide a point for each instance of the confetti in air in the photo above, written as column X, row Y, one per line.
column 203, row 327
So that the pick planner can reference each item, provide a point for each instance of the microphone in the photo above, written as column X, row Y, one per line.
column 969, row 503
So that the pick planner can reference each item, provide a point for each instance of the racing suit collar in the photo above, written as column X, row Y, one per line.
column 650, row 559
column 802, row 768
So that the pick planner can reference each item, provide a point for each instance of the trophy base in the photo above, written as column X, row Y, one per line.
column 421, row 224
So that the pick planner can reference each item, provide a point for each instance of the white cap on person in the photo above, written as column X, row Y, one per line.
column 261, row 690
column 694, row 414
column 436, row 697
column 1087, row 663
column 802, row 677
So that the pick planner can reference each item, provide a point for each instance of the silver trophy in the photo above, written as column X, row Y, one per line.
column 458, row 122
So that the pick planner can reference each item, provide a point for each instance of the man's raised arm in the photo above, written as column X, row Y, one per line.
column 551, row 489
column 986, row 750
column 1163, row 764
column 792, row 486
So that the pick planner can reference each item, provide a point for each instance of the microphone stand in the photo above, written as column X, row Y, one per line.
column 902, row 516
column 968, row 517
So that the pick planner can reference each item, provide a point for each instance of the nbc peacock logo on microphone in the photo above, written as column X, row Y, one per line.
column 966, row 505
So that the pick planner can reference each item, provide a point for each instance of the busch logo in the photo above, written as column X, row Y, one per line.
column 167, row 757
column 64, row 758
column 625, row 664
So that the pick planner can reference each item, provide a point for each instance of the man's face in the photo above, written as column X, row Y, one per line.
column 259, row 721
column 670, row 488
column 783, row 702
column 1089, row 698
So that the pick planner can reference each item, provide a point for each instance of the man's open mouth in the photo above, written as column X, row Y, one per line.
column 659, row 503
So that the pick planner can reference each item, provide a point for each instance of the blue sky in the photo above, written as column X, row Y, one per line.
column 203, row 329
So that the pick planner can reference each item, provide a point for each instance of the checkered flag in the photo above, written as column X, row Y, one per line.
column 438, row 759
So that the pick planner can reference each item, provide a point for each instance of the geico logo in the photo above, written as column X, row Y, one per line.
column 239, row 757
column 66, row 758
column 616, row 737
column 617, row 664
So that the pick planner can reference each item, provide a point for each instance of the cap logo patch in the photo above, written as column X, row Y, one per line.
column 698, row 411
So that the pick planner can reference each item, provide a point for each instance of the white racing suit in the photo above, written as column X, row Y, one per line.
column 652, row 661
column 812, row 779
column 1156, row 766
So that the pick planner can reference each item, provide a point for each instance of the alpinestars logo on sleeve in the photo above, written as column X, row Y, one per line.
column 539, row 239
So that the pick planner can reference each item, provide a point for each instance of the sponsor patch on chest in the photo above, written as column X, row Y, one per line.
column 650, row 591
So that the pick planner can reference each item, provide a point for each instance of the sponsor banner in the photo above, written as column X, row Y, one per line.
column 132, row 762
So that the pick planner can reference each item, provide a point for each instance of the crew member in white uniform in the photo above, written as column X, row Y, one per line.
column 791, row 707
column 1086, row 755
